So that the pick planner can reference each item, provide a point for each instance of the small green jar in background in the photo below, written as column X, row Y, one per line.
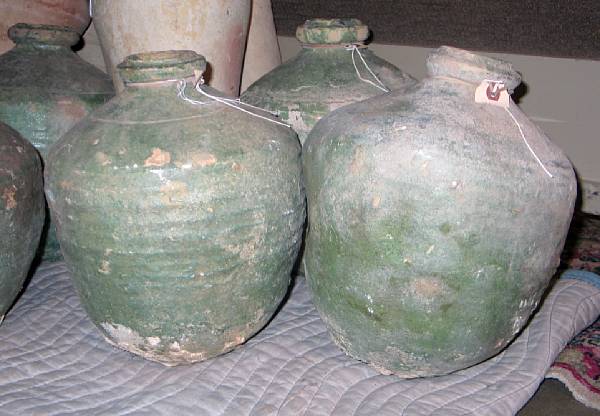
column 323, row 76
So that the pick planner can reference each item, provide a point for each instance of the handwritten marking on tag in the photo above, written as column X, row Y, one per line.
column 494, row 93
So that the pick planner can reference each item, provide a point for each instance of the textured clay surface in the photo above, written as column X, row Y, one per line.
column 433, row 231
column 45, row 89
column 180, row 222
column 322, row 78
column 21, row 212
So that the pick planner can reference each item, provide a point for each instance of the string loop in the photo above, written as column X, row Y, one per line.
column 495, row 88
column 380, row 85
column 527, row 143
column 235, row 103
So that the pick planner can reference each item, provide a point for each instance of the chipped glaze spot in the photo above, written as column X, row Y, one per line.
column 158, row 158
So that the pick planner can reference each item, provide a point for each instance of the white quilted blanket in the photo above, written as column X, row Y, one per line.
column 54, row 362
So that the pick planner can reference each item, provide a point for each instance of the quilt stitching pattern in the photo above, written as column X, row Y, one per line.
column 54, row 361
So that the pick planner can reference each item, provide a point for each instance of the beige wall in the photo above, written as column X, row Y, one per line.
column 91, row 51
column 562, row 98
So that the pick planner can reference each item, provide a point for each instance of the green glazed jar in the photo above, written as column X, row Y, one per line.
column 433, row 230
column 323, row 76
column 180, row 221
column 21, row 212
column 45, row 89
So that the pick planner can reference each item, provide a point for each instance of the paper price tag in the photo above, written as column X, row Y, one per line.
column 494, row 93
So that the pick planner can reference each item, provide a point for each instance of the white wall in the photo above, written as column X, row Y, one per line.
column 562, row 98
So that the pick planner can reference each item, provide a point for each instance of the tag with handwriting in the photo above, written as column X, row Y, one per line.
column 494, row 93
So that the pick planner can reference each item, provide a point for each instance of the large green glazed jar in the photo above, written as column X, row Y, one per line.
column 21, row 212
column 323, row 76
column 45, row 88
column 179, row 216
column 433, row 229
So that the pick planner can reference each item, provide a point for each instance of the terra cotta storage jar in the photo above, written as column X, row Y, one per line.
column 217, row 28
column 434, row 230
column 179, row 216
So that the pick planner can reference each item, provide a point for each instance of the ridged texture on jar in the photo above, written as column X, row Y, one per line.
column 45, row 89
column 320, row 79
column 180, row 223
column 433, row 231
column 21, row 212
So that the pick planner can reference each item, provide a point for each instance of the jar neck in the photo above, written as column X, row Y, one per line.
column 158, row 68
column 162, row 85
column 28, row 36
column 39, row 46
column 337, row 52
column 458, row 87
column 332, row 32
column 329, row 46
column 452, row 63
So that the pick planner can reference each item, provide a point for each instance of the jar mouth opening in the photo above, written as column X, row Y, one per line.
column 471, row 67
column 332, row 31
column 161, row 66
column 43, row 34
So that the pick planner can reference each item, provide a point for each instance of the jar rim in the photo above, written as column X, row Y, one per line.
column 43, row 34
column 471, row 67
column 161, row 66
column 332, row 31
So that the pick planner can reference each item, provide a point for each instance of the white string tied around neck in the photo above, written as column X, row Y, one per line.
column 380, row 85
column 495, row 88
column 235, row 103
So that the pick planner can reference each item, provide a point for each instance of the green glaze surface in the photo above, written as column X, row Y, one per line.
column 160, row 66
column 180, row 222
column 322, row 77
column 433, row 232
column 45, row 89
column 21, row 212
column 332, row 31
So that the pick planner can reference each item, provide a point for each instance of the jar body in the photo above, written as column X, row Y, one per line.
column 319, row 80
column 433, row 230
column 180, row 222
column 44, row 91
column 21, row 212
